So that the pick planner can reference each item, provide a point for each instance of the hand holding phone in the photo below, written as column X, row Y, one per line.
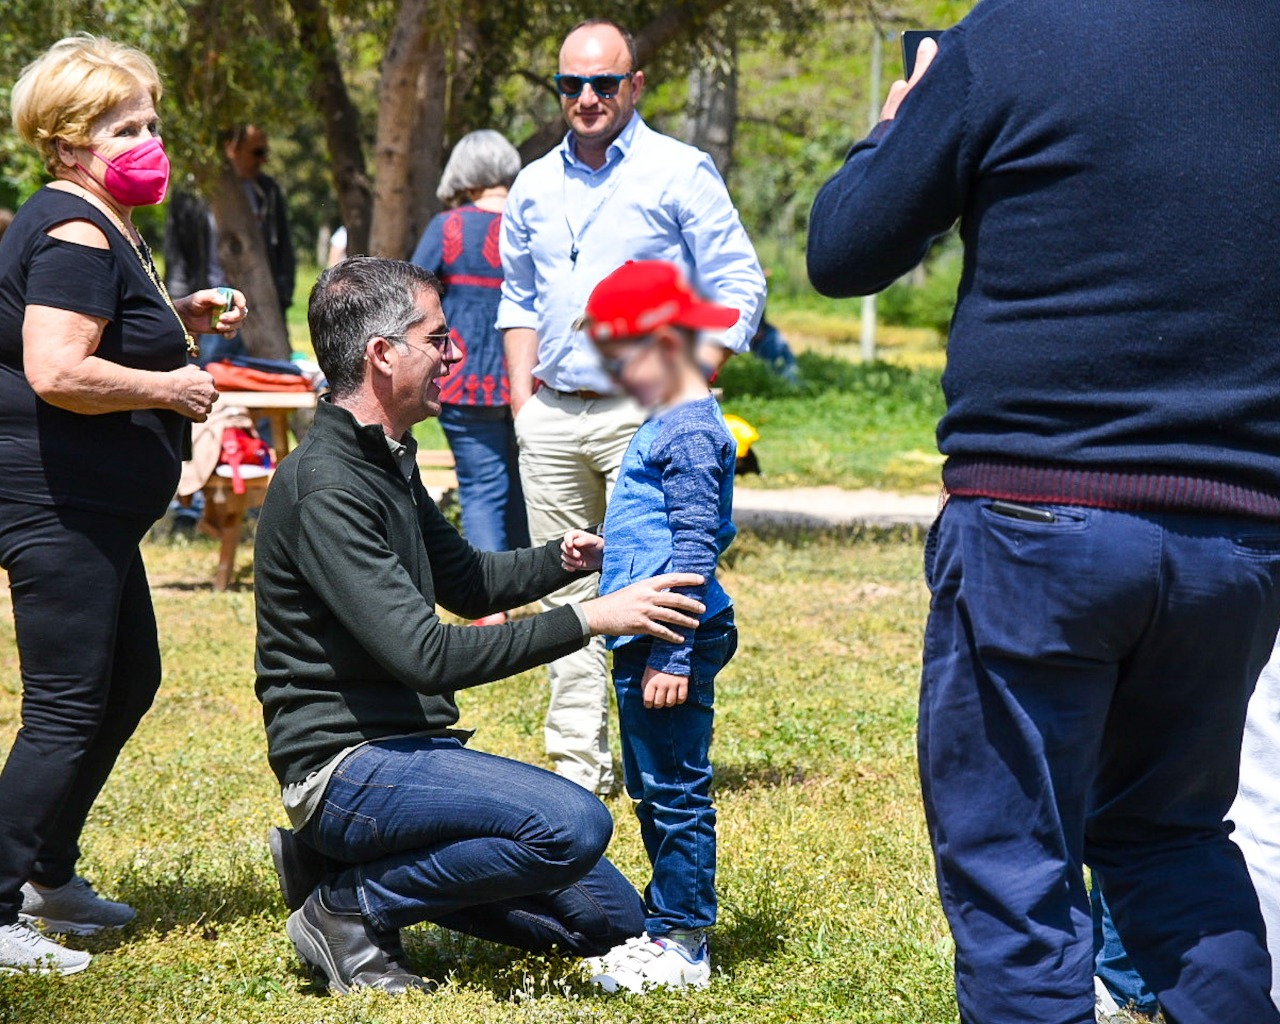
column 911, row 41
column 918, row 51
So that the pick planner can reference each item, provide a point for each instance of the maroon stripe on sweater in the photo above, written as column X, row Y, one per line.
column 1120, row 490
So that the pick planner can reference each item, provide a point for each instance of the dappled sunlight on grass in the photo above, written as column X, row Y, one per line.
column 828, row 909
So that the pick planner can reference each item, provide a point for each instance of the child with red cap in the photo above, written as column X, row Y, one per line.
column 671, row 511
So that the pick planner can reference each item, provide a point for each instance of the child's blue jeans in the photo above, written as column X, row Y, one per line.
column 666, row 758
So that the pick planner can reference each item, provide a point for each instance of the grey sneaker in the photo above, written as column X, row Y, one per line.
column 23, row 950
column 73, row 909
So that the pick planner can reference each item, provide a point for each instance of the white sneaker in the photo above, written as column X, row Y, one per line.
column 1105, row 1008
column 642, row 963
column 24, row 950
column 73, row 909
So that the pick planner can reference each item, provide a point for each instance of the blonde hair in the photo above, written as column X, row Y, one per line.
column 78, row 79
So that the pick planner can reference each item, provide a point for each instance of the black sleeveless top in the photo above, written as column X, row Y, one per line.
column 122, row 463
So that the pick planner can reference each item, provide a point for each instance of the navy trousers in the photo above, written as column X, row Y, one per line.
column 1084, row 691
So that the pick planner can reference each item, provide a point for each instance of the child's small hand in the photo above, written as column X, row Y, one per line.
column 581, row 551
column 663, row 690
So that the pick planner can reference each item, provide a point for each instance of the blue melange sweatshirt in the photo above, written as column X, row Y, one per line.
column 672, row 511
column 1115, row 167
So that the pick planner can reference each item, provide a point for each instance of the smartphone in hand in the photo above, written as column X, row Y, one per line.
column 911, row 41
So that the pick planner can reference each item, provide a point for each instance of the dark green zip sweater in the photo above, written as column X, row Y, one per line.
column 350, row 561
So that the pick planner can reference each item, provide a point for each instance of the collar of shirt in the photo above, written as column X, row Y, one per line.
column 405, row 452
column 617, row 151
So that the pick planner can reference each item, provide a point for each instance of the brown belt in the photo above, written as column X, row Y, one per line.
column 583, row 393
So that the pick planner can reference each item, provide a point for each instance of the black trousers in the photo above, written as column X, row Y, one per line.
column 90, row 664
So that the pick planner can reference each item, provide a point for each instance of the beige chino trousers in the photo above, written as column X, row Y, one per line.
column 571, row 449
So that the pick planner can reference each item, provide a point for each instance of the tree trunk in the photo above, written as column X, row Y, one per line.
column 341, row 122
column 671, row 24
column 402, row 66
column 713, row 100
column 243, row 253
column 428, row 141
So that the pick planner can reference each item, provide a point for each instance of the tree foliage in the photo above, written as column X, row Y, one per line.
column 363, row 98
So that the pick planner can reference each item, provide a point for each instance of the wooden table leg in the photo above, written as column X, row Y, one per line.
column 223, row 519
column 280, row 432
column 230, row 539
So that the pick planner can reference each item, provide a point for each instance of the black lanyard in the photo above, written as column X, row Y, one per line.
column 610, row 189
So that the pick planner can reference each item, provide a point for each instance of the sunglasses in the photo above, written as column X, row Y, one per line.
column 261, row 152
column 604, row 86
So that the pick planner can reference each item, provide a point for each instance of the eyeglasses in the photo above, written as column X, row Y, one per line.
column 616, row 366
column 439, row 340
column 604, row 86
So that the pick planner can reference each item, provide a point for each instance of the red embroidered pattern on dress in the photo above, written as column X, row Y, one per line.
column 452, row 237
column 492, row 243
column 451, row 388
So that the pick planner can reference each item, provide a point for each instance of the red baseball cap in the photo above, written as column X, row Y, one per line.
column 643, row 295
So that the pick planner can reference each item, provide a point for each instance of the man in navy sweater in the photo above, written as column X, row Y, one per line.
column 1106, row 573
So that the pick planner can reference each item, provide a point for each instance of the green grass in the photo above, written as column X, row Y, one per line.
column 829, row 911
column 846, row 424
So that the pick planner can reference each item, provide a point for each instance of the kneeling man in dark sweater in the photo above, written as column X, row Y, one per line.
column 394, row 821
column 1106, row 574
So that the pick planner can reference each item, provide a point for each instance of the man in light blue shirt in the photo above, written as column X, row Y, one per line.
column 613, row 191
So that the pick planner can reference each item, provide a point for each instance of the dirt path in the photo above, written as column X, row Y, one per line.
column 831, row 506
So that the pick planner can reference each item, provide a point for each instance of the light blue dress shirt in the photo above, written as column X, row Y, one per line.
column 655, row 198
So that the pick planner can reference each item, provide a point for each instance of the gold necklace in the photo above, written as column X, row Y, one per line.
column 143, row 252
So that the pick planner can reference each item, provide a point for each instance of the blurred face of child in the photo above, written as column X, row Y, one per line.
column 651, row 369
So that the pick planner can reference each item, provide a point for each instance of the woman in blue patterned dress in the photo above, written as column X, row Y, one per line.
column 460, row 246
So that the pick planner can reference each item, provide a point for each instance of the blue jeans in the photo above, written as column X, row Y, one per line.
column 666, row 758
column 1111, row 960
column 1083, row 699
column 487, row 461
column 498, row 849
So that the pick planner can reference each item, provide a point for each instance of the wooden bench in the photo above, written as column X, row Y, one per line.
column 439, row 475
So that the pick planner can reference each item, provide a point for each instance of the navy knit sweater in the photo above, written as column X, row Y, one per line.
column 1115, row 167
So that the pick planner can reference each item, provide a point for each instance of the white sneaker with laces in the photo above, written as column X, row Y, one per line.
column 1105, row 1008
column 73, row 909
column 645, row 963
column 23, row 950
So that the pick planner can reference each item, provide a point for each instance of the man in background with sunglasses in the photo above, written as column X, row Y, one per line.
column 613, row 191
column 247, row 150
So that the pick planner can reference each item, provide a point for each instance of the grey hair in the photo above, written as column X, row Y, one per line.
column 355, row 300
column 483, row 159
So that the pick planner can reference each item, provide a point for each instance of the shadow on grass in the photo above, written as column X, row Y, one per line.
column 243, row 584
column 731, row 778
column 754, row 925
column 797, row 533
column 197, row 901
column 505, row 973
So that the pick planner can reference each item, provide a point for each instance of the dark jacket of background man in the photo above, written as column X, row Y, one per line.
column 267, row 200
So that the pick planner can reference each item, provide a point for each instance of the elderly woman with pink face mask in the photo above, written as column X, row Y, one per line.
column 96, row 397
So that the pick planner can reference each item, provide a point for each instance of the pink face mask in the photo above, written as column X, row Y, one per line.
column 138, row 176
